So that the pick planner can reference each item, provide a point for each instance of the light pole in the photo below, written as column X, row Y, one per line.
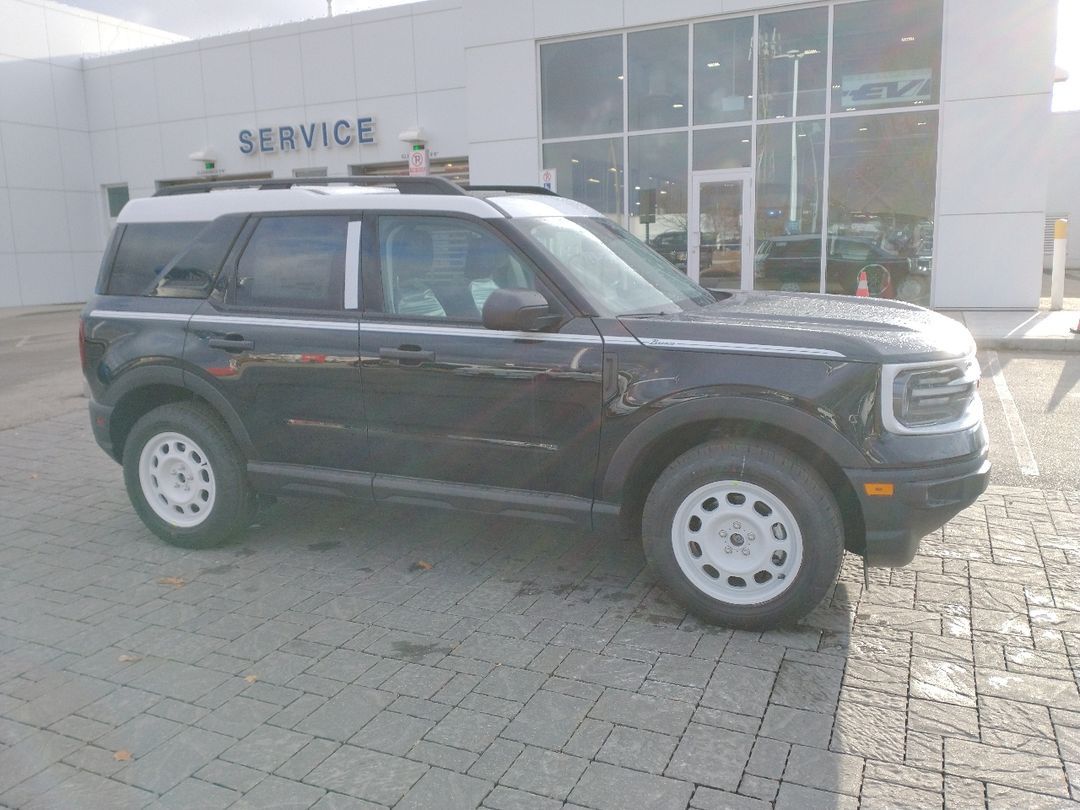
column 795, row 56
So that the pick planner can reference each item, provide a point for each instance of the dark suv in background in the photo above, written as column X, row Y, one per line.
column 518, row 354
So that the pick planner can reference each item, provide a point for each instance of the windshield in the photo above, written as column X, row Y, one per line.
column 614, row 270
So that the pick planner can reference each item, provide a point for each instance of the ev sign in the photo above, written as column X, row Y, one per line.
column 418, row 161
column 549, row 179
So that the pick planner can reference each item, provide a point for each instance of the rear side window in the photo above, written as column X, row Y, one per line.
column 293, row 262
column 193, row 272
column 145, row 248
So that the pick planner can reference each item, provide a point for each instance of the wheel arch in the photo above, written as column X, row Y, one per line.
column 654, row 444
column 146, row 389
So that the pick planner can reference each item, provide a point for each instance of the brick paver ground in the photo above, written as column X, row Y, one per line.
column 317, row 663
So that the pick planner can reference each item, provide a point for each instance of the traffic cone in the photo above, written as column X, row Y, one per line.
column 863, row 290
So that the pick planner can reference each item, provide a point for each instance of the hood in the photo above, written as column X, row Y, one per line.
column 809, row 325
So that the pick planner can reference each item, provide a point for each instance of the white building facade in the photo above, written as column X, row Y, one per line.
column 757, row 143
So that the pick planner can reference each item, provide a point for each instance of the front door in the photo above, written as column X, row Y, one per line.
column 458, row 413
column 719, row 256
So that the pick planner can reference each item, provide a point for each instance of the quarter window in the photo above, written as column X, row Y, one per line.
column 294, row 262
column 440, row 267
column 145, row 248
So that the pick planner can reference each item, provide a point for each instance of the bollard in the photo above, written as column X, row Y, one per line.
column 1057, row 274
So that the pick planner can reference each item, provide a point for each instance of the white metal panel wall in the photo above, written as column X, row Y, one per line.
column 52, row 227
column 1064, row 192
column 997, row 75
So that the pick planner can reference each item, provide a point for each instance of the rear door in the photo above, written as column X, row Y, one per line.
column 279, row 339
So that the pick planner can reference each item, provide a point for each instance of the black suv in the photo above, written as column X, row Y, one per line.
column 517, row 353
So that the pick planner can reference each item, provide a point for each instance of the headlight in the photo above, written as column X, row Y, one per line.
column 931, row 397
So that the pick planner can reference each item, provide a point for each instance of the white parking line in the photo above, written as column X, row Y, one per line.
column 1013, row 422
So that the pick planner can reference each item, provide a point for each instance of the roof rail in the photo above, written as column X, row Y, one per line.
column 513, row 189
column 404, row 184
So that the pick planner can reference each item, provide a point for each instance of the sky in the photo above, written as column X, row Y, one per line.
column 198, row 18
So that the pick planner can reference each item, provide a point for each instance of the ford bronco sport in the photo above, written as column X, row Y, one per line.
column 516, row 353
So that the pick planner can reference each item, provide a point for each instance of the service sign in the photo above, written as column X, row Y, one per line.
column 311, row 135
column 892, row 88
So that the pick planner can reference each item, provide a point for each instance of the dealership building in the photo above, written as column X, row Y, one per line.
column 756, row 143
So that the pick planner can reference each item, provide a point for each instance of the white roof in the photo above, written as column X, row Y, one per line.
column 206, row 206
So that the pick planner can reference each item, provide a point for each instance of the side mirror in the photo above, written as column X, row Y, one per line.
column 517, row 310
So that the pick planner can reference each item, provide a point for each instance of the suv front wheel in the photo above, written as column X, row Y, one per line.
column 186, row 476
column 744, row 533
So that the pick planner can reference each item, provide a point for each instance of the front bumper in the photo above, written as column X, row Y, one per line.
column 923, row 500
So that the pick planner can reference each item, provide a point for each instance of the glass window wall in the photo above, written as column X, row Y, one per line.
column 882, row 174
column 658, row 201
column 590, row 172
column 724, row 71
column 886, row 54
column 788, row 222
column 657, row 63
column 582, row 87
column 879, row 106
column 792, row 63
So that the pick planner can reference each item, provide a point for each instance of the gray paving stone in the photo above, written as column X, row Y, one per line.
column 545, row 772
column 496, row 760
column 825, row 770
column 92, row 792
column 738, row 689
column 706, row 798
column 392, row 733
column 367, row 775
column 344, row 714
column 588, row 738
column 887, row 796
column 180, row 681
column 266, row 748
column 682, row 670
column 758, row 787
column 439, row 789
column 638, row 749
column 711, row 756
column 140, row 735
column 802, row 686
column 238, row 716
column 608, row 787
column 194, row 794
column 797, row 726
column 169, row 764
column 504, row 798
column 1005, row 767
column 471, row 731
column 797, row 797
column 443, row 756
column 604, row 670
column 548, row 720
column 307, row 759
column 416, row 680
column 230, row 775
column 641, row 711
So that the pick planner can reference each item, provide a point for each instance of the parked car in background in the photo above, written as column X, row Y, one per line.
column 672, row 246
column 793, row 264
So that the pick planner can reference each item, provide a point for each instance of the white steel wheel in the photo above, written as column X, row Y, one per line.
column 737, row 542
column 743, row 532
column 177, row 480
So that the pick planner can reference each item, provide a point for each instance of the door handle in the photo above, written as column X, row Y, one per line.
column 231, row 343
column 404, row 355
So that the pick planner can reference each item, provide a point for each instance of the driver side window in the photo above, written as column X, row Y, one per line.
column 444, row 267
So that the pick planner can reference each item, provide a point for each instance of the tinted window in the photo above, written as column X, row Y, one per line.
column 293, row 263
column 192, row 273
column 145, row 249
column 658, row 75
column 440, row 267
column 723, row 72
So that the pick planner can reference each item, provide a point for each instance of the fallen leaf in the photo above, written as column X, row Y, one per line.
column 127, row 659
column 122, row 756
column 251, row 678
column 34, row 476
column 421, row 565
column 176, row 582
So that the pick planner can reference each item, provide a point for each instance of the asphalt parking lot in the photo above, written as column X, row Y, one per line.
column 343, row 657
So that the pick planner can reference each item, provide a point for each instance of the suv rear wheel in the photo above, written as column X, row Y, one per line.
column 185, row 476
column 744, row 533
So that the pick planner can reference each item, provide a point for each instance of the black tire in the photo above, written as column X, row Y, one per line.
column 233, row 503
column 797, row 488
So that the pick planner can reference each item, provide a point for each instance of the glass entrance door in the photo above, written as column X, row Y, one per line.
column 719, row 236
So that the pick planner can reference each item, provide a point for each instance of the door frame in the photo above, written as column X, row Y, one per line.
column 693, row 231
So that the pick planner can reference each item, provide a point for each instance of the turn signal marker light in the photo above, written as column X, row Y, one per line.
column 879, row 490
